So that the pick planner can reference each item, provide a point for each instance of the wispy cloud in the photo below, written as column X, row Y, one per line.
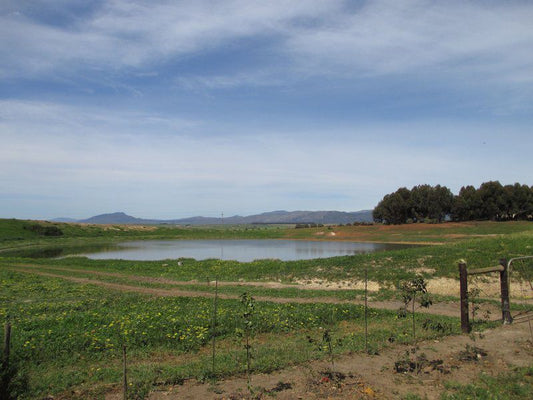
column 122, row 34
column 389, row 37
column 316, row 38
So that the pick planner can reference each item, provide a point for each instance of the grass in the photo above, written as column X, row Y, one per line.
column 14, row 230
column 515, row 385
column 69, row 336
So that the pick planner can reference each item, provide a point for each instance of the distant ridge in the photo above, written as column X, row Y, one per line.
column 272, row 217
column 114, row 218
column 64, row 220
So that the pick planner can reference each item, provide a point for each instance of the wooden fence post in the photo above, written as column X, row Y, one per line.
column 504, row 285
column 463, row 279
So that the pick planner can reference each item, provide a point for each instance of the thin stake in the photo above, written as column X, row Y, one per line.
column 366, row 308
column 125, row 372
column 214, row 326
column 248, row 358
column 414, row 323
column 7, row 343
column 525, row 276
column 417, row 365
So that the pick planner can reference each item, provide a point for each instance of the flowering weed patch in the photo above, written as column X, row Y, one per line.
column 69, row 335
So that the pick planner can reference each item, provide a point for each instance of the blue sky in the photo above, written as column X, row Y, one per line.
column 167, row 109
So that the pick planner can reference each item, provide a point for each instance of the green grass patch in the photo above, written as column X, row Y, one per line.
column 68, row 336
column 515, row 385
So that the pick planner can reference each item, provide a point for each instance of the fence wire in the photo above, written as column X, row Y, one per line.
column 521, row 275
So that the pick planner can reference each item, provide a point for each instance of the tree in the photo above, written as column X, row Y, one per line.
column 466, row 205
column 427, row 203
column 394, row 208
column 492, row 196
column 440, row 204
column 421, row 199
column 518, row 201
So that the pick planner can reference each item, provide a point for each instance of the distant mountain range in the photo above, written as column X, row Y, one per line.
column 273, row 217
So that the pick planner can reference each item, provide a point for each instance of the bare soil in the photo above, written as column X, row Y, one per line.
column 458, row 359
column 489, row 286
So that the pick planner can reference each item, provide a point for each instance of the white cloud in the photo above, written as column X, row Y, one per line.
column 319, row 38
column 390, row 37
column 131, row 34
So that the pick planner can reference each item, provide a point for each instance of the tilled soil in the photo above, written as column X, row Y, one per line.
column 360, row 376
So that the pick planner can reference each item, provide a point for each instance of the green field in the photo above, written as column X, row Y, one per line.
column 69, row 328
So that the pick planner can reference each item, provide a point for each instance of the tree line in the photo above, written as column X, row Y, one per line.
column 426, row 203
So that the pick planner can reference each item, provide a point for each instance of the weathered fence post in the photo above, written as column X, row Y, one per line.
column 463, row 279
column 124, row 371
column 7, row 343
column 504, row 285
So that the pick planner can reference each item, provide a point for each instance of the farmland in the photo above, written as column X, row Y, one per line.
column 72, row 316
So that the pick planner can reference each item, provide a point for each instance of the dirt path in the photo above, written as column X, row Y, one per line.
column 443, row 308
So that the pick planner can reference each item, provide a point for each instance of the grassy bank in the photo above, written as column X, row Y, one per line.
column 384, row 267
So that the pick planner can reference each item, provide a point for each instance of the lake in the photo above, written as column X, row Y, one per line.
column 239, row 250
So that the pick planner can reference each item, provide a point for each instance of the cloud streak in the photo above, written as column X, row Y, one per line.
column 314, row 38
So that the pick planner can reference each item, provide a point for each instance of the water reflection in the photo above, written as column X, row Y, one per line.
column 57, row 251
column 239, row 250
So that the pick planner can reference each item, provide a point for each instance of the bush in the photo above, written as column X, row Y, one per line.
column 44, row 230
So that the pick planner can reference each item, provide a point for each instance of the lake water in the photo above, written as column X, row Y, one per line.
column 239, row 250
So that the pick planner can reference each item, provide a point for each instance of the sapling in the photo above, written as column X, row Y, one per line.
column 214, row 325
column 409, row 290
column 473, row 297
column 326, row 344
column 249, row 307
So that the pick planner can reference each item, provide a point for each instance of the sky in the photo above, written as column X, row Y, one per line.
column 170, row 109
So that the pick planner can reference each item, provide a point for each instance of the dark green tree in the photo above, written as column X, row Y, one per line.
column 518, row 201
column 394, row 208
column 492, row 196
column 421, row 197
column 440, row 203
column 466, row 205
